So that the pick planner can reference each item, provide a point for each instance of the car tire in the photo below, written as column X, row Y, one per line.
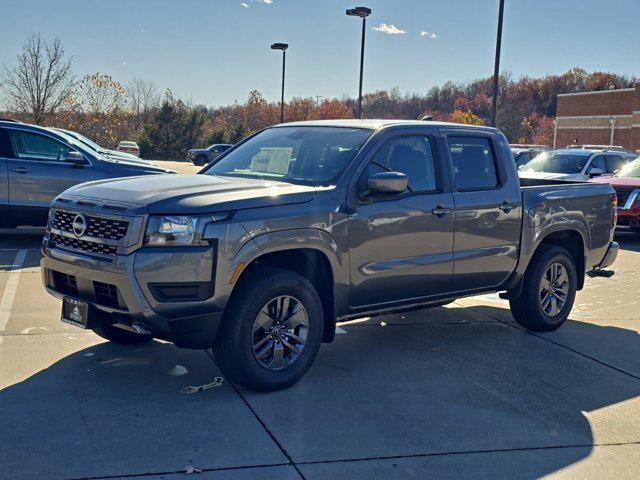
column 200, row 161
column 118, row 335
column 548, row 292
column 245, row 352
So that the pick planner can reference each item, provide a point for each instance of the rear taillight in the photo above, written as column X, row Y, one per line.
column 614, row 201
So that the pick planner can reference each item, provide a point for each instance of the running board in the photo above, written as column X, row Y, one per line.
column 601, row 272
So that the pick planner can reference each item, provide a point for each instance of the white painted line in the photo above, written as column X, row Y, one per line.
column 10, row 289
column 340, row 331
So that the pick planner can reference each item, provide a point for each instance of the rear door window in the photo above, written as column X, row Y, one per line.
column 474, row 166
column 614, row 163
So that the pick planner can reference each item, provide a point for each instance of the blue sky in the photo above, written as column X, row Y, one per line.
column 216, row 51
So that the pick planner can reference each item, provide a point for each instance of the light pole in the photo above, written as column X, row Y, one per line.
column 283, row 47
column 496, row 70
column 362, row 12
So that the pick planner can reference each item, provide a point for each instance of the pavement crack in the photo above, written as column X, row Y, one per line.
column 263, row 424
column 467, row 452
column 534, row 334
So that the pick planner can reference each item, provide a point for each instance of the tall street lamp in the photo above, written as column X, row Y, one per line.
column 496, row 70
column 362, row 12
column 283, row 47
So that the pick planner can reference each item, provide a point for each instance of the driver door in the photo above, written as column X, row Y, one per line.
column 401, row 245
column 38, row 171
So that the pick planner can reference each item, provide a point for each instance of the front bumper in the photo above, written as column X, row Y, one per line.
column 121, row 288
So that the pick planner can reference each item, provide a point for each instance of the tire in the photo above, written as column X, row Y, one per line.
column 242, row 331
column 200, row 161
column 118, row 335
column 531, row 309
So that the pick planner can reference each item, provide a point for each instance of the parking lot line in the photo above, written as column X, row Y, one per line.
column 10, row 288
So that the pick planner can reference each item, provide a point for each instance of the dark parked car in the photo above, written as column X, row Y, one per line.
column 36, row 164
column 202, row 156
column 308, row 223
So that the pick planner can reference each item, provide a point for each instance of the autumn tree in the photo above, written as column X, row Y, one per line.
column 40, row 82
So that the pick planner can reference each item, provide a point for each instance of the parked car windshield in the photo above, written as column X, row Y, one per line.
column 556, row 162
column 314, row 156
column 631, row 169
column 90, row 143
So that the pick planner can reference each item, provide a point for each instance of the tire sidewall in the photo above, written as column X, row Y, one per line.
column 253, row 301
column 565, row 260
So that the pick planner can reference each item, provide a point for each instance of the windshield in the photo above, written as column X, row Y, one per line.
column 86, row 141
column 314, row 156
column 556, row 162
column 75, row 142
column 631, row 169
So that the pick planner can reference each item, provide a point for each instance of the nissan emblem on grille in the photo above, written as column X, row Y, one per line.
column 79, row 225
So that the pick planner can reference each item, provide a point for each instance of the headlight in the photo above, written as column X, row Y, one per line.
column 173, row 230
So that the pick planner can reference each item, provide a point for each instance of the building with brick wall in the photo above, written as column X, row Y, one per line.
column 608, row 117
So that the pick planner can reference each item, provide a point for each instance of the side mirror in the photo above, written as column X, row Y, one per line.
column 76, row 158
column 595, row 172
column 387, row 182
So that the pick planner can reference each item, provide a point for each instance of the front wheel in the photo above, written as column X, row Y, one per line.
column 271, row 331
column 200, row 161
column 548, row 292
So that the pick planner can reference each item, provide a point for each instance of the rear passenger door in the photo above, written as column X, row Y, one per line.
column 488, row 210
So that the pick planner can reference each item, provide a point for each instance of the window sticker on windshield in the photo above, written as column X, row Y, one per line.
column 272, row 160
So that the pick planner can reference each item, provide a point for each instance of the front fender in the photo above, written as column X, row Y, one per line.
column 302, row 238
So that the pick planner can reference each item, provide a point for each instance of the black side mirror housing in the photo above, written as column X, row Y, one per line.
column 387, row 183
column 76, row 158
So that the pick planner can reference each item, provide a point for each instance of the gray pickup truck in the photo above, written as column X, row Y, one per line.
column 305, row 224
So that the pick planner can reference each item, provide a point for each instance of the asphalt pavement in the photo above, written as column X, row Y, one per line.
column 450, row 393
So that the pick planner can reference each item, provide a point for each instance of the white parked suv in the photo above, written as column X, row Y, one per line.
column 576, row 164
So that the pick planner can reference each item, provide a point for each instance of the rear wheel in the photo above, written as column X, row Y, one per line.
column 271, row 331
column 548, row 292
column 118, row 335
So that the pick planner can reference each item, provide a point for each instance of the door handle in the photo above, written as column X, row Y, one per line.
column 441, row 211
column 20, row 170
column 506, row 207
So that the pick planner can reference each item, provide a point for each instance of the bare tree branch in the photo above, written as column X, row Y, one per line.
column 41, row 81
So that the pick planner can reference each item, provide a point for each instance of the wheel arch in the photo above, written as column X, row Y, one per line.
column 313, row 254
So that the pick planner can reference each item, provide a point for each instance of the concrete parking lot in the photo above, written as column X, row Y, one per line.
column 449, row 393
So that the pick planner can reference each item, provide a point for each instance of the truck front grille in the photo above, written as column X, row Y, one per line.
column 65, row 283
column 106, row 294
column 82, row 245
column 99, row 227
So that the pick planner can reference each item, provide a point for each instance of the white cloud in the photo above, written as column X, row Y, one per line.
column 390, row 29
column 268, row 2
column 428, row 34
column 245, row 5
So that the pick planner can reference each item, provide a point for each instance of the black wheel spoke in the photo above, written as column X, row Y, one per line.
column 280, row 332
column 554, row 289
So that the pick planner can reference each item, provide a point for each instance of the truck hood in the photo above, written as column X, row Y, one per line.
column 194, row 194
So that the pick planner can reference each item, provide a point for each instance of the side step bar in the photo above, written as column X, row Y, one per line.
column 601, row 272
